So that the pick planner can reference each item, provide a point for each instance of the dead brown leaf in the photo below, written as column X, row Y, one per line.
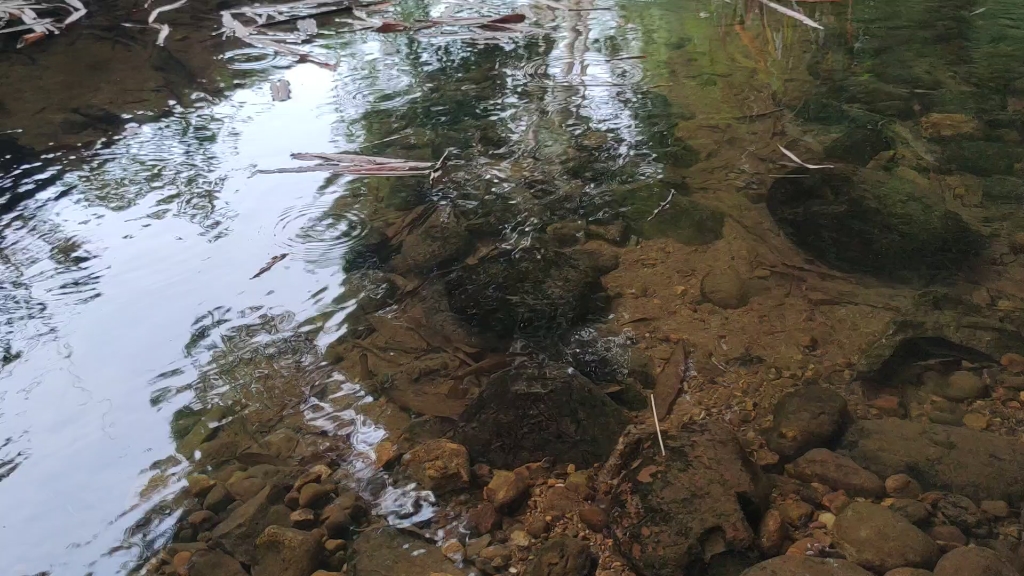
column 646, row 473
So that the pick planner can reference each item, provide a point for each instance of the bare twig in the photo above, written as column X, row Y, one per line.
column 657, row 426
column 664, row 204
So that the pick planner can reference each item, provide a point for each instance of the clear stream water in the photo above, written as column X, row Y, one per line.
column 125, row 276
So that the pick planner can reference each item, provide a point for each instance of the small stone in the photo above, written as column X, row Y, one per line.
column 476, row 545
column 537, row 527
column 996, row 508
column 806, row 418
column 519, row 539
column 218, row 499
column 835, row 471
column 199, row 485
column 328, row 573
column 333, row 546
column 887, row 405
column 341, row 515
column 902, row 486
column 440, row 466
column 180, row 562
column 483, row 519
column 836, row 502
column 202, row 518
column 454, row 551
column 291, row 500
column 496, row 552
column 827, row 518
column 558, row 502
column 244, row 488
column 312, row 494
column 318, row 473
column 507, row 488
column 976, row 421
column 808, row 342
column 214, row 563
column 1013, row 362
column 804, row 547
column 303, row 519
column 724, row 288
column 771, row 534
column 947, row 533
column 914, row 511
column 796, row 513
column 482, row 473
column 594, row 518
column 579, row 483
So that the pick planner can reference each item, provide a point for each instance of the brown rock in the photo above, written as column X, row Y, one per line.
column 244, row 488
column 388, row 552
column 837, row 472
column 214, row 563
column 695, row 501
column 771, row 534
column 313, row 494
column 836, row 502
column 973, row 560
column 218, row 499
column 482, row 474
column 978, row 465
column 1013, row 362
column 318, row 473
column 914, row 511
column 594, row 518
column 286, row 552
column 961, row 512
column 962, row 385
column 438, row 465
column 936, row 125
column 506, row 489
column 291, row 500
column 724, row 288
column 887, row 405
column 976, row 421
column 180, row 562
column 202, row 518
column 303, row 519
column 806, row 418
column 902, row 486
column 562, row 557
column 801, row 565
column 950, row 534
column 879, row 540
column 537, row 527
column 559, row 501
column 908, row 572
column 238, row 532
column 996, row 508
column 796, row 513
column 199, row 485
column 483, row 519
column 333, row 546
column 454, row 551
column 344, row 513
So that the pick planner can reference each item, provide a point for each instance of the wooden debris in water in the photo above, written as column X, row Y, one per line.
column 792, row 14
column 270, row 264
column 357, row 165
column 657, row 426
column 664, row 205
column 280, row 90
column 25, row 11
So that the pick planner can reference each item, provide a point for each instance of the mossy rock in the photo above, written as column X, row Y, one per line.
column 863, row 221
column 683, row 219
column 983, row 158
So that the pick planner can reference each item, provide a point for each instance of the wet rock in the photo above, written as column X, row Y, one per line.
column 995, row 508
column 218, row 499
column 286, row 552
column 695, row 502
column 506, row 489
column 538, row 527
column 879, row 540
column 439, row 466
column 960, row 512
column 806, row 418
column 388, row 552
column 979, row 465
column 836, row 502
column 214, row 563
column 204, row 429
column 858, row 146
column 598, row 257
column 902, row 486
column 950, row 534
column 483, row 519
column 562, row 557
column 244, row 488
column 796, row 513
column 837, row 472
column 724, row 288
column 1013, row 362
column 982, row 158
column 937, row 126
column 313, row 493
column 973, row 560
column 614, row 233
column 303, row 519
column 568, row 233
column 533, row 293
column 441, row 240
column 594, row 518
column 534, row 411
column 199, row 485
column 519, row 539
column 344, row 513
column 372, row 290
column 790, row 565
column 908, row 572
column 961, row 386
column 559, row 502
column 238, row 532
column 874, row 223
column 454, row 551
column 771, row 534
column 914, row 511
column 976, row 421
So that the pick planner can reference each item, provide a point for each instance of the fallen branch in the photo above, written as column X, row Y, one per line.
column 801, row 162
column 657, row 426
column 664, row 205
column 792, row 14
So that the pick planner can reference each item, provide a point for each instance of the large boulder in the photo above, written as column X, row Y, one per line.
column 860, row 220
column 286, row 552
column 978, row 465
column 692, row 504
column 534, row 411
column 388, row 552
column 791, row 565
column 973, row 560
column 532, row 293
column 806, row 418
column 880, row 540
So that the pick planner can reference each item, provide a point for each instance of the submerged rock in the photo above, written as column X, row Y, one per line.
column 837, row 472
column 214, row 563
column 562, row 557
column 973, row 560
column 438, row 465
column 724, row 288
column 859, row 220
column 441, row 240
column 286, row 552
column 533, row 293
column 695, row 502
column 790, row 565
column 806, row 418
column 879, row 540
column 388, row 552
column 978, row 465
column 534, row 411
column 858, row 145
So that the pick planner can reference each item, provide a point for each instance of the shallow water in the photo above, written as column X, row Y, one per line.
column 127, row 290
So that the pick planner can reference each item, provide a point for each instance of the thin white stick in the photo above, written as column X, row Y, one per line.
column 792, row 14
column 657, row 427
column 801, row 162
